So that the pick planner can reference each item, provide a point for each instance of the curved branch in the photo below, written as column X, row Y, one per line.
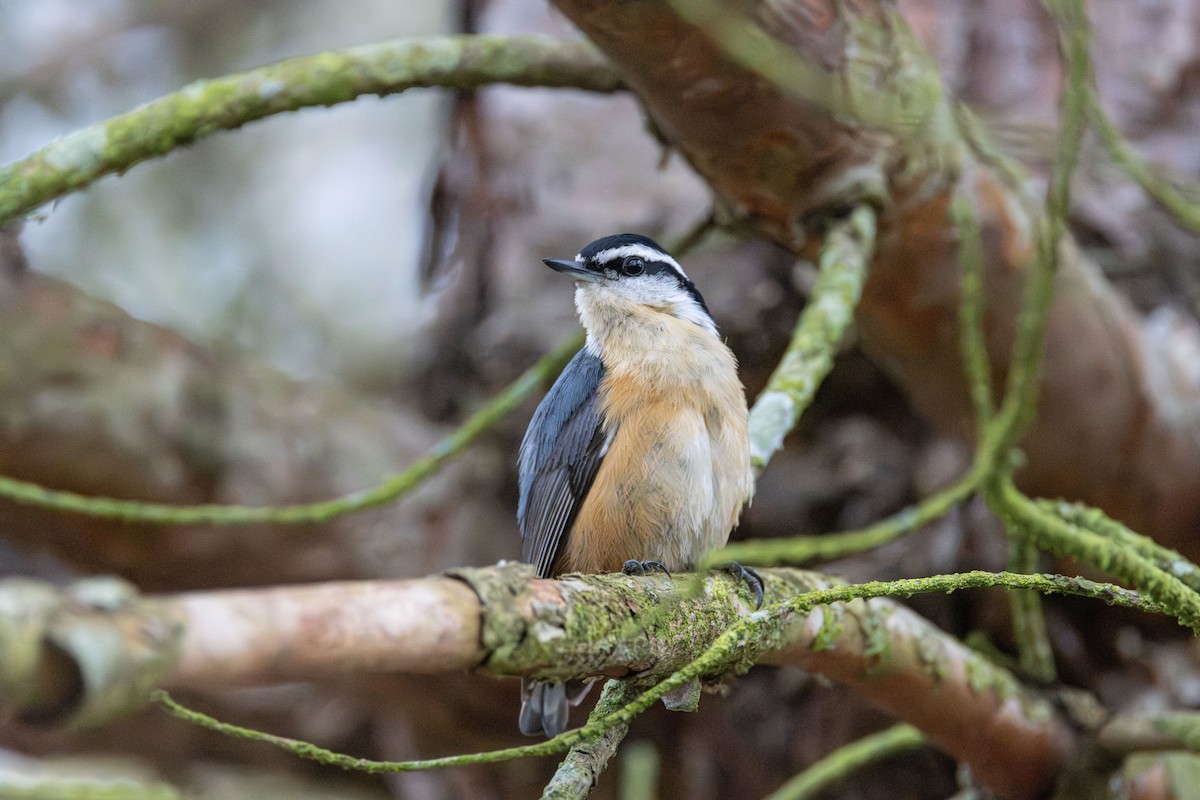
column 498, row 620
column 848, row 759
column 208, row 106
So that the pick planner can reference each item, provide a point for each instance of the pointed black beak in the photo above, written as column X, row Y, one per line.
column 572, row 269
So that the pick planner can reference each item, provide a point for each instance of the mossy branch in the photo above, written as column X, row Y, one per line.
column 1116, row 557
column 842, row 271
column 207, row 106
column 1095, row 520
column 1034, row 652
column 999, row 433
column 576, row 776
column 797, row 550
column 1177, row 204
column 1020, row 400
column 881, row 649
column 499, row 620
column 971, row 309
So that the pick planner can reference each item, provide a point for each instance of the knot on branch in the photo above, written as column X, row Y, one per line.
column 82, row 655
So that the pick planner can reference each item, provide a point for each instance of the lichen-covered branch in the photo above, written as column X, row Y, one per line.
column 499, row 620
column 208, row 106
column 1055, row 535
column 1093, row 519
column 845, row 256
column 576, row 776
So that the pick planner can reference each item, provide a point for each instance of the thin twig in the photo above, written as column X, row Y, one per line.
column 847, row 760
column 321, row 511
column 1093, row 519
column 1055, row 535
column 1002, row 432
column 1177, row 204
column 971, row 308
column 1020, row 401
column 797, row 550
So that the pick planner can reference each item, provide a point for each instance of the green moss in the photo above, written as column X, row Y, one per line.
column 978, row 672
column 1182, row 728
column 933, row 657
column 831, row 630
column 878, row 643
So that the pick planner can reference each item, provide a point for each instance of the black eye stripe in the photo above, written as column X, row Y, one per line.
column 649, row 267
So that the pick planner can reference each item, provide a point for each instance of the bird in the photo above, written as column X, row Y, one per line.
column 638, row 458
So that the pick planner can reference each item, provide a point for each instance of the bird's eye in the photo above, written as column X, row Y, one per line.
column 633, row 266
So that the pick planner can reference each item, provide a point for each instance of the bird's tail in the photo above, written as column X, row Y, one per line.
column 545, row 707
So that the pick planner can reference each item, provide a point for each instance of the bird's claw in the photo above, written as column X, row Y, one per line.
column 635, row 567
column 749, row 576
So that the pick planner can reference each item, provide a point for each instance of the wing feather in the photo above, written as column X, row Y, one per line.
column 560, row 455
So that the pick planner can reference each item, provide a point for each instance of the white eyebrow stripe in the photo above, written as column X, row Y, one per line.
column 648, row 253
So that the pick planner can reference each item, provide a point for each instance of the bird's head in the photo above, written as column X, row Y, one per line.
column 626, row 273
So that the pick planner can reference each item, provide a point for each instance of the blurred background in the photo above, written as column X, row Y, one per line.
column 297, row 309
column 308, row 258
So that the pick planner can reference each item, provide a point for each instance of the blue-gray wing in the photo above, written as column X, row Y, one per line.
column 559, row 458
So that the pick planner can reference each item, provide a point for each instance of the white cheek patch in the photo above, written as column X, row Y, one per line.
column 655, row 291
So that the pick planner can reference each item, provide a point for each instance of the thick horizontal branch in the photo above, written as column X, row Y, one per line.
column 279, row 634
column 208, row 106
column 499, row 620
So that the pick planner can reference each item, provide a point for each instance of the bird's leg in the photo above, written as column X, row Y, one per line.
column 748, row 576
column 634, row 567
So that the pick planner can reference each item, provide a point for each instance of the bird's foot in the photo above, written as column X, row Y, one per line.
column 748, row 576
column 635, row 567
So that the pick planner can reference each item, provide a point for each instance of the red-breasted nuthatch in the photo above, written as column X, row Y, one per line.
column 638, row 457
